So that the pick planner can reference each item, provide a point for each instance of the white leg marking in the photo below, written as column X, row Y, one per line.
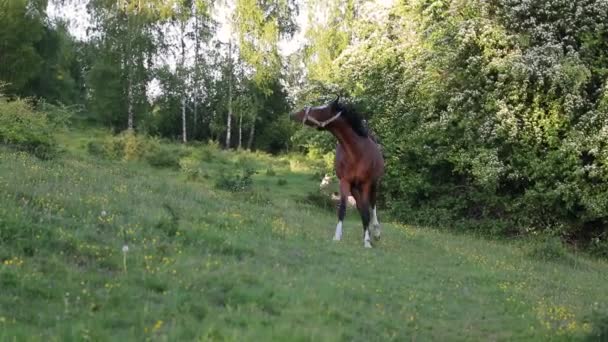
column 338, row 235
column 376, row 230
column 366, row 240
column 374, row 217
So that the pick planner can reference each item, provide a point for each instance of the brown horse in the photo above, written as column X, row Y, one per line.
column 359, row 163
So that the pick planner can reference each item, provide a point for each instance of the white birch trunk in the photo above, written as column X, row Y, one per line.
column 183, row 74
column 184, row 131
column 229, row 120
column 196, row 71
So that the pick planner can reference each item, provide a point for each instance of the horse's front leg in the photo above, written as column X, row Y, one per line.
column 344, row 193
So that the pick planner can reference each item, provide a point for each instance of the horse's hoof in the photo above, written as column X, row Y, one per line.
column 376, row 232
column 367, row 244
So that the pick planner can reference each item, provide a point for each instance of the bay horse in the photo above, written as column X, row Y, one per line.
column 359, row 164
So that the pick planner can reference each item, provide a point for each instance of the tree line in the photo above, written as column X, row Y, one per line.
column 157, row 67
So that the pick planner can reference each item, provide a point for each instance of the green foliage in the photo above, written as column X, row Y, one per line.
column 191, row 167
column 164, row 157
column 127, row 146
column 599, row 248
column 235, row 182
column 320, row 200
column 96, row 148
column 550, row 249
column 275, row 132
column 306, row 140
column 61, row 76
column 24, row 128
column 39, row 57
column 21, row 27
column 492, row 114
column 328, row 38
column 599, row 320
column 259, row 26
column 60, row 115
column 281, row 182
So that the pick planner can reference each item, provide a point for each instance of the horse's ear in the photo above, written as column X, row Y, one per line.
column 337, row 99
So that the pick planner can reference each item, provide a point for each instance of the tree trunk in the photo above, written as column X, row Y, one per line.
column 129, row 100
column 228, row 125
column 229, row 120
column 196, row 71
column 251, row 135
column 184, row 131
column 240, row 130
column 194, row 125
column 183, row 74
column 128, row 57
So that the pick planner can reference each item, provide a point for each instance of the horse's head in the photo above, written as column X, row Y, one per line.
column 319, row 116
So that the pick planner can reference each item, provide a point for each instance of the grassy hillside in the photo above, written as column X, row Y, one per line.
column 210, row 264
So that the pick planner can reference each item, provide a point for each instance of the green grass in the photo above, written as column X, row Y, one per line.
column 258, row 265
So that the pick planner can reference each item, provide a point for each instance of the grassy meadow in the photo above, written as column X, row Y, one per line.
column 94, row 248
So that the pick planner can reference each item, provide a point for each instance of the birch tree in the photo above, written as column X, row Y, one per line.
column 259, row 26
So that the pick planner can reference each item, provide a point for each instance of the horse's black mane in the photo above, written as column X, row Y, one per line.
column 352, row 117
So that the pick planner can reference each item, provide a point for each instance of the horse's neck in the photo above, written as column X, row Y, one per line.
column 351, row 143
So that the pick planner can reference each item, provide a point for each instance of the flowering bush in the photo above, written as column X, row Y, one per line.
column 493, row 115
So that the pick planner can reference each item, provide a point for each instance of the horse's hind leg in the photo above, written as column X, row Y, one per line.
column 364, row 211
column 362, row 196
column 344, row 193
column 376, row 230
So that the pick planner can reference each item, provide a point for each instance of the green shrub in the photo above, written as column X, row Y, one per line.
column 96, row 148
column 599, row 324
column 599, row 248
column 318, row 175
column 125, row 146
column 245, row 162
column 207, row 154
column 498, row 115
column 270, row 172
column 59, row 114
column 191, row 167
column 319, row 200
column 134, row 146
column 281, row 182
column 24, row 128
column 236, row 183
column 551, row 249
column 164, row 157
